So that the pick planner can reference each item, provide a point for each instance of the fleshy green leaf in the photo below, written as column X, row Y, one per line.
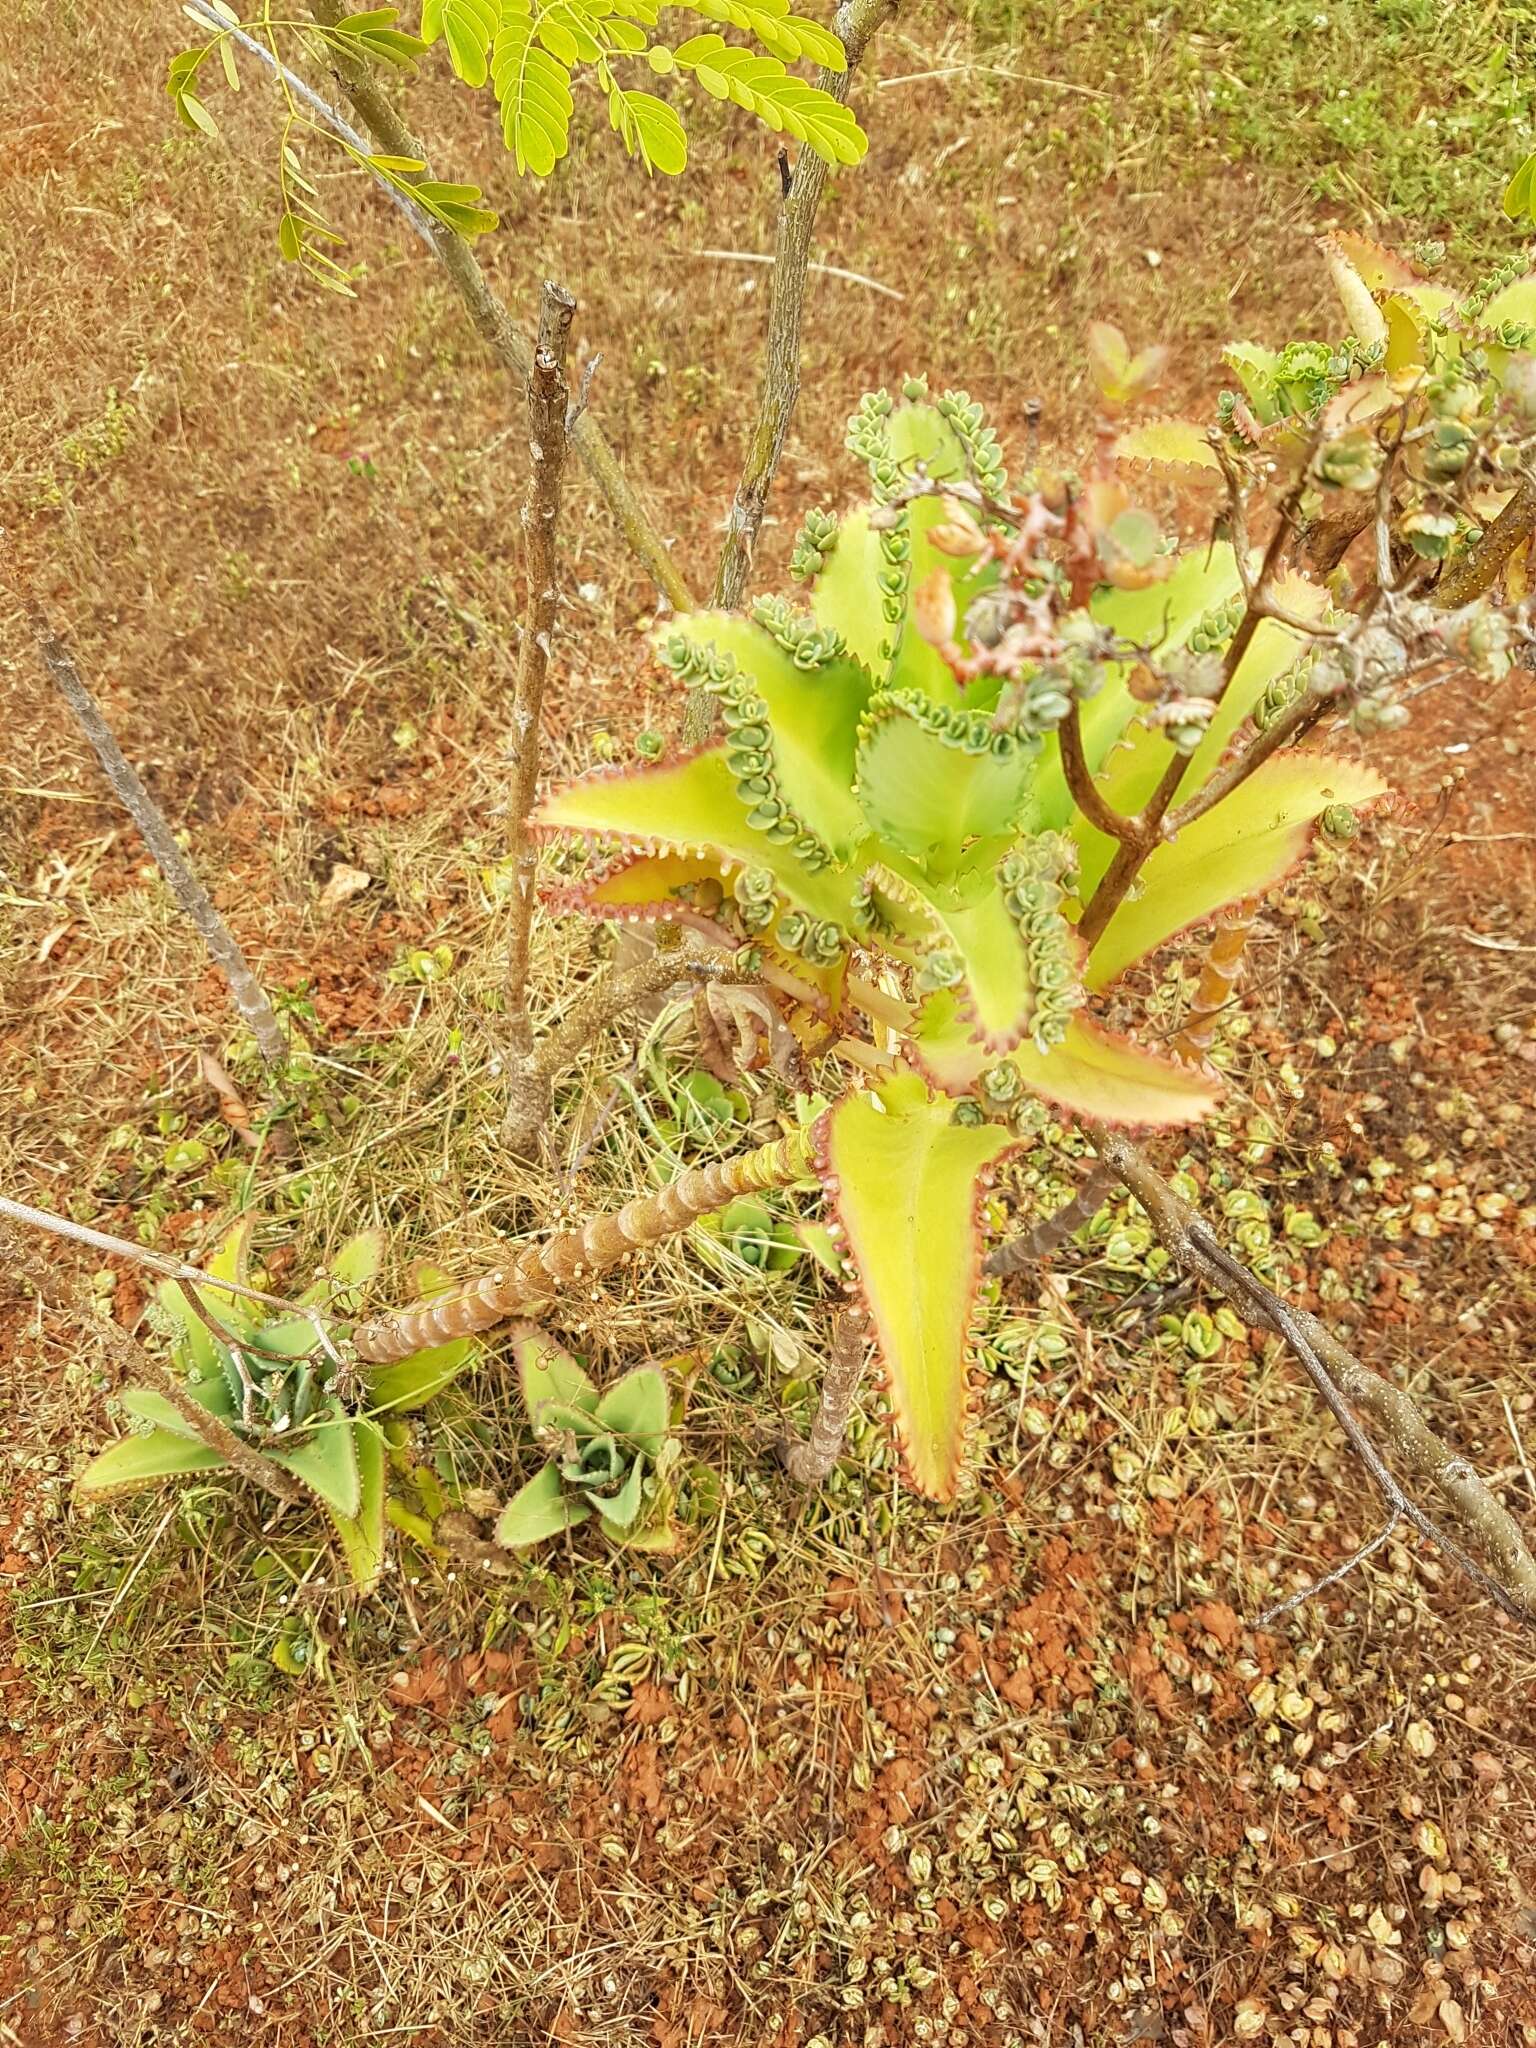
column 1360, row 308
column 813, row 719
column 344, row 1278
column 622, row 1507
column 1240, row 848
column 636, row 1408
column 541, row 1508
column 996, row 997
column 412, row 1382
column 326, row 1461
column 548, row 1375
column 904, row 1180
column 932, row 781
column 1094, row 1072
column 136, row 1461
column 687, row 806
column 1516, row 302
column 1168, row 443
column 149, row 1406
column 361, row 1536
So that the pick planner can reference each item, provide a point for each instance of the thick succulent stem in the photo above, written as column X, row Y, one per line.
column 1052, row 1232
column 811, row 1461
column 538, row 1272
column 548, row 399
column 495, row 325
column 1219, row 973
column 191, row 897
column 52, row 1286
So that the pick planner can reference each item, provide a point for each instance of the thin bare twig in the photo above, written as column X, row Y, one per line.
column 1345, row 1385
column 1086, row 793
column 856, row 22
column 548, row 405
column 496, row 326
column 192, row 898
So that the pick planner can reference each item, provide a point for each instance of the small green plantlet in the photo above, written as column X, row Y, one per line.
column 288, row 1388
column 611, row 1452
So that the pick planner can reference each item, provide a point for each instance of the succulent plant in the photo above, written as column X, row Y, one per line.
column 611, row 1452
column 886, row 820
column 292, row 1394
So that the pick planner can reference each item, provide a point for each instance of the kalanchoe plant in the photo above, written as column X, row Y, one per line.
column 289, row 1389
column 913, row 830
column 611, row 1452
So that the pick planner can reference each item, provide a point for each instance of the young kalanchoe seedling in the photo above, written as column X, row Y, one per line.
column 289, row 1389
column 611, row 1452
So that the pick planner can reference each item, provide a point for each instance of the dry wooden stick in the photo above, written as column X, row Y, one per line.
column 856, row 22
column 192, row 898
column 811, row 1461
column 52, row 1286
column 1345, row 1385
column 496, row 326
column 548, row 404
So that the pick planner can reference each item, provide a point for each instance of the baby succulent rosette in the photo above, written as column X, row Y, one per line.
column 287, row 1388
column 884, row 825
column 611, row 1452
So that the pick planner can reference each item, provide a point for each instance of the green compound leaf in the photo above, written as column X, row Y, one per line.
column 361, row 1536
column 326, row 1462
column 533, row 89
column 785, row 104
column 904, row 1181
column 548, row 1375
column 636, row 1408
column 770, row 23
column 931, row 781
column 540, row 1509
column 468, row 27
column 649, row 129
column 136, row 1461
column 1241, row 848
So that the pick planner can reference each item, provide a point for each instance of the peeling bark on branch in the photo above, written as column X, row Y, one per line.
column 548, row 405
